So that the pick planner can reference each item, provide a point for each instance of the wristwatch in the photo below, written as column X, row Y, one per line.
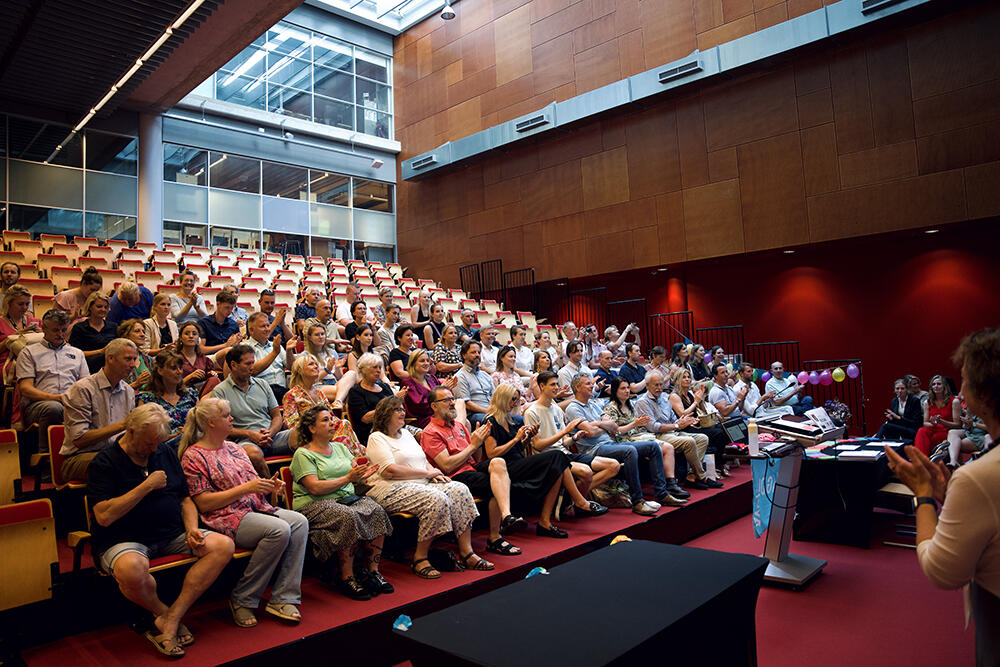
column 924, row 500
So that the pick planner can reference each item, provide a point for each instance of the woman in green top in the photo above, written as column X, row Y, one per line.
column 323, row 491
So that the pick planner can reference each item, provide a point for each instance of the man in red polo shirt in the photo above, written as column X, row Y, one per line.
column 449, row 446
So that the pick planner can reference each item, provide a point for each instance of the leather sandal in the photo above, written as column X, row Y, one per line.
column 502, row 547
column 426, row 572
column 285, row 611
column 168, row 646
column 481, row 563
column 242, row 616
column 511, row 524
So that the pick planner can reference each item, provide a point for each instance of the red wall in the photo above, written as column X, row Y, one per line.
column 899, row 302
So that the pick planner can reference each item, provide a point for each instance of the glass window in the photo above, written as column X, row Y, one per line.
column 43, row 142
column 46, row 185
column 242, row 90
column 373, row 95
column 330, row 53
column 289, row 71
column 112, row 193
column 289, row 102
column 222, row 237
column 374, row 252
column 233, row 209
column 373, row 122
column 282, row 180
column 112, row 153
column 373, row 195
column 331, row 248
column 329, row 188
column 333, row 113
column 331, row 83
column 286, row 244
column 184, row 165
column 246, row 240
column 110, row 226
column 185, row 202
column 249, row 62
column 183, row 234
column 232, row 172
column 288, row 40
column 372, row 66
column 44, row 220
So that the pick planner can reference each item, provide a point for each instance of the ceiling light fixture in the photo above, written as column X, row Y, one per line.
column 661, row 269
column 931, row 231
column 448, row 13
column 789, row 252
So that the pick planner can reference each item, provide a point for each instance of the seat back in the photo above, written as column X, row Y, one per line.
column 42, row 304
column 10, row 465
column 28, row 533
column 30, row 249
column 38, row 286
column 57, row 435
column 286, row 478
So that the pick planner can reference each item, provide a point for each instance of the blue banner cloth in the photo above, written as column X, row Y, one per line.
column 765, row 476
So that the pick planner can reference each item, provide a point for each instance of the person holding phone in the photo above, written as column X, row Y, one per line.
column 233, row 500
column 324, row 475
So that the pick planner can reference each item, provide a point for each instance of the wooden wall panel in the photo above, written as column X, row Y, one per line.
column 880, row 133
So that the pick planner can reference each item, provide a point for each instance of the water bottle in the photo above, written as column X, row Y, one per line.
column 752, row 438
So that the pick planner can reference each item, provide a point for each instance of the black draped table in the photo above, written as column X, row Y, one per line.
column 621, row 604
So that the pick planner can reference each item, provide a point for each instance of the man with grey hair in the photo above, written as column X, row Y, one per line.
column 307, row 308
column 96, row 408
column 667, row 427
column 473, row 384
column 129, row 301
column 45, row 371
column 467, row 330
column 143, row 510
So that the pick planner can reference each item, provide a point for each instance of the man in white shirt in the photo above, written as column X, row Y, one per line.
column 343, row 315
column 574, row 365
column 385, row 336
column 488, row 355
column 787, row 390
column 754, row 404
column 524, row 356
column 725, row 399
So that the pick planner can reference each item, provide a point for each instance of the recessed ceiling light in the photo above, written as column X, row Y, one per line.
column 931, row 231
column 662, row 268
column 789, row 252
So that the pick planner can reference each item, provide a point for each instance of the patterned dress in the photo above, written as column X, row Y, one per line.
column 513, row 380
column 297, row 401
column 446, row 355
column 439, row 508
column 333, row 526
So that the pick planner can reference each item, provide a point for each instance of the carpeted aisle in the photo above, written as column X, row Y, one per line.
column 869, row 607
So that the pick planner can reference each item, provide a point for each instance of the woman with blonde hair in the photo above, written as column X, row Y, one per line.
column 233, row 500
column 16, row 320
column 161, row 329
column 314, row 343
column 419, row 386
column 941, row 413
column 93, row 333
column 302, row 395
column 324, row 473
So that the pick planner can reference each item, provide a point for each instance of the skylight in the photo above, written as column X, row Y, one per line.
column 391, row 16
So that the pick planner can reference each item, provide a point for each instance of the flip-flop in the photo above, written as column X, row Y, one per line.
column 242, row 616
column 166, row 645
column 285, row 611
column 184, row 636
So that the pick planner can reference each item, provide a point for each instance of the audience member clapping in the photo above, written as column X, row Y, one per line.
column 324, row 473
column 188, row 305
column 407, row 483
column 366, row 394
column 220, row 330
column 199, row 370
column 419, row 385
column 135, row 331
column 16, row 323
column 233, row 499
column 270, row 358
column 904, row 416
column 399, row 356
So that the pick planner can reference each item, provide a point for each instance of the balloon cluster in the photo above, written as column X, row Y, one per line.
column 824, row 377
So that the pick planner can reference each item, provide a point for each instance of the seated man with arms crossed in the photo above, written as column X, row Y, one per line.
column 258, row 426
column 45, row 372
column 474, row 385
column 143, row 511
column 597, row 440
column 96, row 408
column 588, row 470
column 449, row 446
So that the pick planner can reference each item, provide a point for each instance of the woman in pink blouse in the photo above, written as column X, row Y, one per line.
column 233, row 500
column 506, row 374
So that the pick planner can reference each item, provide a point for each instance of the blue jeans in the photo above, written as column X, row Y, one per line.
column 805, row 403
column 629, row 454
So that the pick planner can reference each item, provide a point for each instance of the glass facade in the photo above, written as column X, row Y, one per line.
column 308, row 75
column 250, row 203
column 55, row 182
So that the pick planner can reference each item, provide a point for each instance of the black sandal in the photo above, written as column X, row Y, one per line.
column 481, row 563
column 502, row 547
column 426, row 572
column 511, row 524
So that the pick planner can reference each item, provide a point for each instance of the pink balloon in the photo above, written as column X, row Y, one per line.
column 813, row 377
column 803, row 377
column 853, row 371
column 765, row 376
column 825, row 378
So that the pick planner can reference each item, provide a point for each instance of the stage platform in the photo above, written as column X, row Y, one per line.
column 334, row 626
